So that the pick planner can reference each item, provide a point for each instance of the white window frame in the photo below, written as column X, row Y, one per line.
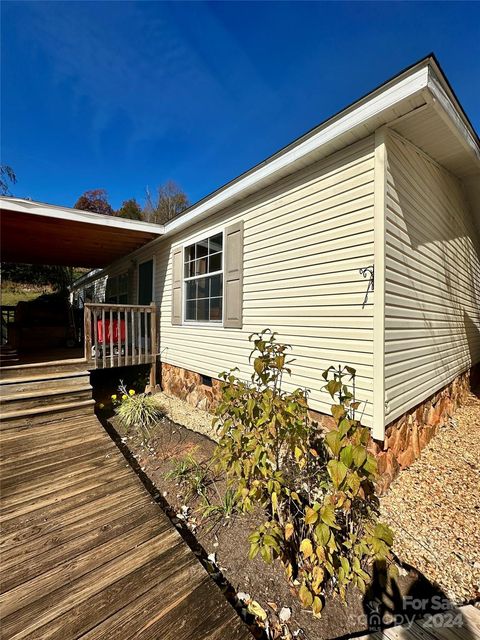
column 187, row 243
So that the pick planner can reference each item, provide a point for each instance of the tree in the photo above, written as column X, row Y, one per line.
column 170, row 201
column 7, row 175
column 130, row 209
column 95, row 200
column 59, row 277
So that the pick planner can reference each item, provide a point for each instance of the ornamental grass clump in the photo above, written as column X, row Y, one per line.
column 317, row 493
column 138, row 412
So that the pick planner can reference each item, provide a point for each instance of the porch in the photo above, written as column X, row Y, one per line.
column 112, row 335
column 52, row 335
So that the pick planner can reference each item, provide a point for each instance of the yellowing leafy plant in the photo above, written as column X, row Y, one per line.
column 317, row 492
column 139, row 412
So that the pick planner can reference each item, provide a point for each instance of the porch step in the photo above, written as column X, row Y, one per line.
column 46, row 398
column 35, row 370
column 8, row 356
column 41, row 415
column 25, row 383
column 32, row 394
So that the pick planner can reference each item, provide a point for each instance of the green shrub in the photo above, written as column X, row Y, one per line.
column 137, row 412
column 194, row 476
column 317, row 492
column 198, row 481
column 225, row 508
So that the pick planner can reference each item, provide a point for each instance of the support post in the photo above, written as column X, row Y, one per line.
column 380, row 172
column 87, row 332
column 153, row 346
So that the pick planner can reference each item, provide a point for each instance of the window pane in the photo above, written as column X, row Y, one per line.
column 191, row 289
column 215, row 262
column 215, row 243
column 201, row 266
column 202, row 309
column 216, row 283
column 215, row 309
column 201, row 249
column 189, row 269
column 190, row 310
column 190, row 253
column 123, row 298
column 202, row 287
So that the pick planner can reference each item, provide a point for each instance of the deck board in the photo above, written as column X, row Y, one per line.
column 86, row 553
column 442, row 626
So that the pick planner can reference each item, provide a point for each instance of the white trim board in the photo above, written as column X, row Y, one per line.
column 77, row 215
column 379, row 213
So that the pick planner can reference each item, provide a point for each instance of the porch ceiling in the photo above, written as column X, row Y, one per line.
column 37, row 233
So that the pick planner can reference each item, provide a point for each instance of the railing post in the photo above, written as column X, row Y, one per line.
column 95, row 334
column 153, row 346
column 87, row 337
column 119, row 338
column 104, row 340
column 110, row 321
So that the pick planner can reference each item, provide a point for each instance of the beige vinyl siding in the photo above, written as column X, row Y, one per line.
column 432, row 279
column 305, row 239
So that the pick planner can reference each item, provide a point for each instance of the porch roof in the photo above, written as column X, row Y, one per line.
column 39, row 233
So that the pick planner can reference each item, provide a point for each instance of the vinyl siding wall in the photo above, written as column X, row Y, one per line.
column 305, row 239
column 432, row 279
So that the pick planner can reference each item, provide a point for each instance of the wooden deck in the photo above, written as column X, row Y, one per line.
column 86, row 553
column 458, row 624
column 12, row 358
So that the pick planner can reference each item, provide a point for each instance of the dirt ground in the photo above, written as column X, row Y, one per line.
column 434, row 506
column 227, row 540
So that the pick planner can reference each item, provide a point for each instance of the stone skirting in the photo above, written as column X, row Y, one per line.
column 187, row 385
column 404, row 439
column 406, row 436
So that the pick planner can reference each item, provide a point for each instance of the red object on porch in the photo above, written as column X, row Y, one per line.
column 104, row 336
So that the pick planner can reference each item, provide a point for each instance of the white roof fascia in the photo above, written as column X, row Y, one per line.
column 77, row 215
column 414, row 82
column 373, row 104
column 450, row 112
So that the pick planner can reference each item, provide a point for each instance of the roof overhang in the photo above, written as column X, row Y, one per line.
column 38, row 233
column 417, row 103
column 421, row 85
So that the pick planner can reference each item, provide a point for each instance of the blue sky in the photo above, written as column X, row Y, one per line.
column 125, row 95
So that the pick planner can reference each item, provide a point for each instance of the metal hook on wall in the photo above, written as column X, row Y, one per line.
column 368, row 272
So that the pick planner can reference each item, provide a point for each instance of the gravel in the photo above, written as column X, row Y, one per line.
column 434, row 507
column 190, row 417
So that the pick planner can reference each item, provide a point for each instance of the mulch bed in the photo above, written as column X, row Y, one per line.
column 227, row 539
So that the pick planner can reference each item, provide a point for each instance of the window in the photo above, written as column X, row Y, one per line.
column 117, row 289
column 203, row 277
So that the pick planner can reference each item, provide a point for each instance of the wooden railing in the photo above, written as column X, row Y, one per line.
column 8, row 317
column 118, row 335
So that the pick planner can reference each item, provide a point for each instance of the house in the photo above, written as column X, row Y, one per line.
column 358, row 243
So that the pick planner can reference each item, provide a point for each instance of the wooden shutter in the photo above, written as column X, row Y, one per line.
column 233, row 274
column 177, row 268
